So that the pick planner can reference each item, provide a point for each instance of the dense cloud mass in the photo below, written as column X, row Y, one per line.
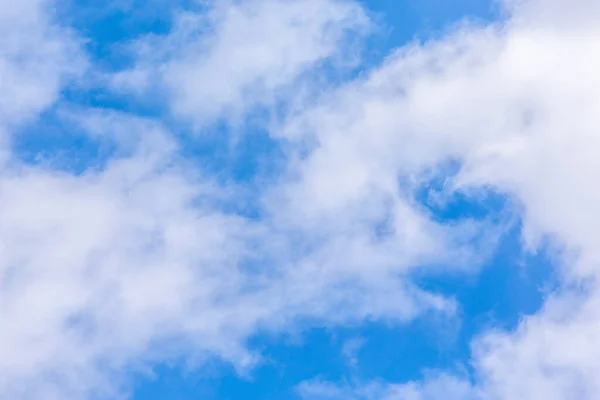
column 141, row 259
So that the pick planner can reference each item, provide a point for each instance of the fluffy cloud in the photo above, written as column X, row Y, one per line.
column 121, row 267
column 516, row 103
column 95, row 267
column 116, row 269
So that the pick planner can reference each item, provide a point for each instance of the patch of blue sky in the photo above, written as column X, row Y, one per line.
column 54, row 143
column 109, row 26
column 404, row 21
column 286, row 361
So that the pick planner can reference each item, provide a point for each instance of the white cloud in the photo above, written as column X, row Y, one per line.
column 232, row 56
column 516, row 104
column 119, row 268
column 439, row 387
column 351, row 350
column 36, row 58
column 96, row 267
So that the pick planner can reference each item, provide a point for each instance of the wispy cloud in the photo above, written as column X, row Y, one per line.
column 230, row 57
column 439, row 387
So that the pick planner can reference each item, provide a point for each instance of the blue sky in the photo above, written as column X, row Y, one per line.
column 304, row 199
